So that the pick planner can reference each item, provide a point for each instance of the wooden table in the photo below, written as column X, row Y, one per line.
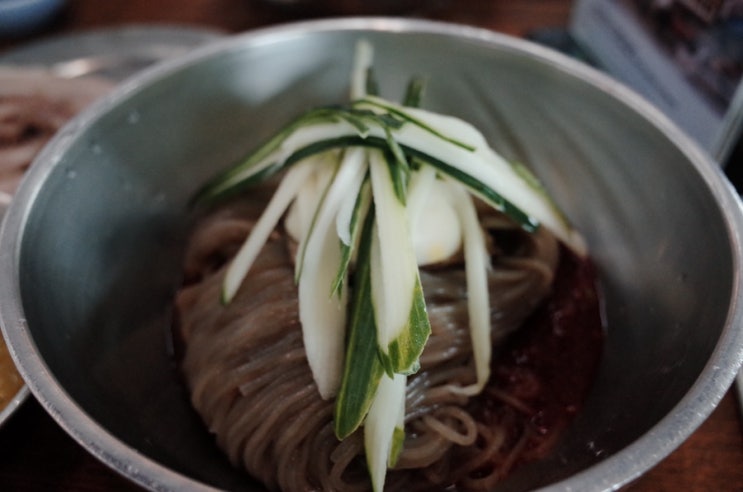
column 36, row 455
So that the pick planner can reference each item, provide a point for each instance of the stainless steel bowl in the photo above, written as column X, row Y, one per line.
column 92, row 242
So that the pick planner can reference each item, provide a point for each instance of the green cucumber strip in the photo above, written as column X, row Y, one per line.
column 356, row 121
column 419, row 187
column 360, row 208
column 407, row 115
column 414, row 92
column 398, row 167
column 362, row 370
column 485, row 192
column 482, row 170
column 495, row 199
column 398, row 441
column 481, row 189
column 399, row 307
column 319, row 125
column 360, row 72
column 372, row 86
column 346, row 223
column 262, row 161
column 398, row 437
column 243, row 260
column 477, row 265
column 381, row 431
column 476, row 159
column 323, row 317
column 322, row 208
column 403, row 353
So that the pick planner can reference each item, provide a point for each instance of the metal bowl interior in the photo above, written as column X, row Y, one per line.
column 92, row 242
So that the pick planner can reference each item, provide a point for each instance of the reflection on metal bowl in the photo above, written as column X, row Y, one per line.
column 93, row 239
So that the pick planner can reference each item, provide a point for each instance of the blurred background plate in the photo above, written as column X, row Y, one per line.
column 113, row 54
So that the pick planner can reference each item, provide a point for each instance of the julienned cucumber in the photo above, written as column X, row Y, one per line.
column 344, row 196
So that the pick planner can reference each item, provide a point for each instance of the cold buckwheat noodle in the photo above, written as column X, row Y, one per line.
column 249, row 380
column 405, row 310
